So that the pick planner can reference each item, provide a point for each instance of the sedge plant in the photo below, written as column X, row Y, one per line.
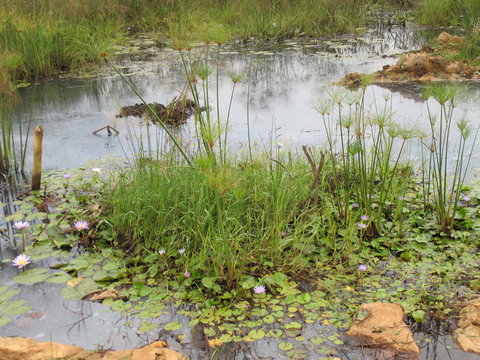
column 446, row 179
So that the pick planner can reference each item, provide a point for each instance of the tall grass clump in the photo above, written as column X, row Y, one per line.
column 226, row 218
column 446, row 176
column 448, row 12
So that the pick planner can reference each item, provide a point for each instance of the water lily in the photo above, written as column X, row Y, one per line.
column 259, row 289
column 81, row 225
column 466, row 198
column 186, row 274
column 96, row 170
column 365, row 218
column 362, row 267
column 67, row 176
column 354, row 205
column 362, row 225
column 21, row 260
column 162, row 251
column 20, row 225
column 181, row 251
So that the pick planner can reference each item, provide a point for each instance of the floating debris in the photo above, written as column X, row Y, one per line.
column 174, row 114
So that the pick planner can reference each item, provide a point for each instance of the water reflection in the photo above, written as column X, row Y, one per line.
column 284, row 83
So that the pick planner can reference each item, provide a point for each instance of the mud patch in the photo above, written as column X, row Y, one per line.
column 425, row 65
column 174, row 114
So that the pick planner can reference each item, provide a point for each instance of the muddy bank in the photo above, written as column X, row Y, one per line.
column 425, row 65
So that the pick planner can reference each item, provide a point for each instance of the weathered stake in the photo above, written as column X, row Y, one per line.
column 37, row 158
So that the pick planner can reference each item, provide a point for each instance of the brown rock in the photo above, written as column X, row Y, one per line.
column 28, row 349
column 468, row 332
column 17, row 348
column 381, row 325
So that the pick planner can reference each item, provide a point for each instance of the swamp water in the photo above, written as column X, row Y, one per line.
column 285, row 83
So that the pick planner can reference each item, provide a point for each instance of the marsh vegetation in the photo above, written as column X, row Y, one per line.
column 253, row 243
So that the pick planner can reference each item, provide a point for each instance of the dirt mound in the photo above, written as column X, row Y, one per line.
column 425, row 65
column 174, row 114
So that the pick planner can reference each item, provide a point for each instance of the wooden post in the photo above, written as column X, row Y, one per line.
column 37, row 158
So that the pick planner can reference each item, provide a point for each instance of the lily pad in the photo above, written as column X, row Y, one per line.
column 32, row 276
column 173, row 326
column 285, row 346
column 256, row 334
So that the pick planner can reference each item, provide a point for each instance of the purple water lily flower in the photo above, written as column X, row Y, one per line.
column 362, row 267
column 67, row 176
column 20, row 225
column 259, row 289
column 362, row 225
column 365, row 218
column 81, row 225
column 186, row 274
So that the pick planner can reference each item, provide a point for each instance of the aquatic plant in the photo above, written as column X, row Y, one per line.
column 365, row 152
column 81, row 225
column 21, row 225
column 21, row 261
column 446, row 188
column 259, row 289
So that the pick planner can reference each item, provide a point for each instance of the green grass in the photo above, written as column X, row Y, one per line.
column 448, row 12
column 43, row 37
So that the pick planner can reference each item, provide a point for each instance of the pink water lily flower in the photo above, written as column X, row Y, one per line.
column 21, row 260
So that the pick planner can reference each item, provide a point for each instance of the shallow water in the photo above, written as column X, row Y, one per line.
column 285, row 83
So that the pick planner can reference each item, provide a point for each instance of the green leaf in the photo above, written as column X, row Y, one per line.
column 15, row 308
column 173, row 326
column 120, row 305
column 147, row 326
column 210, row 283
column 249, row 282
column 256, row 334
column 275, row 333
column 303, row 298
column 6, row 293
column 280, row 279
column 140, row 289
column 4, row 320
column 293, row 325
column 419, row 316
column 32, row 276
column 285, row 346
column 59, row 278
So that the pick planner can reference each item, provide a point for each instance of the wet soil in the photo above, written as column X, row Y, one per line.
column 426, row 65
column 174, row 114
